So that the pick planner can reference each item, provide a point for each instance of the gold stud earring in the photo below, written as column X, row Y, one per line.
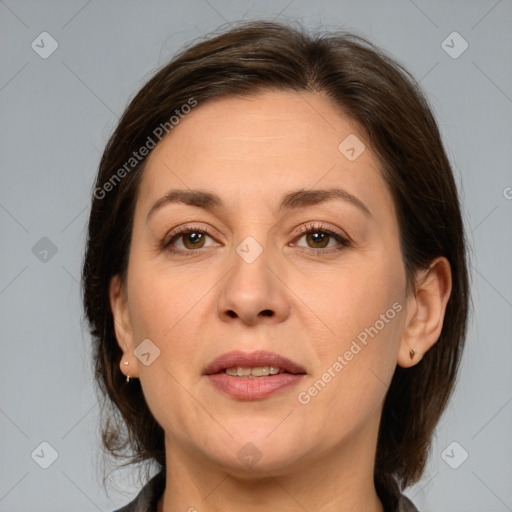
column 411, row 353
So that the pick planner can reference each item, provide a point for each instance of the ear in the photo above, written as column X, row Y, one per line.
column 426, row 307
column 122, row 325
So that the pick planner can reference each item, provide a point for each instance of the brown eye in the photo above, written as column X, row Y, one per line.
column 318, row 239
column 321, row 240
column 188, row 240
column 193, row 239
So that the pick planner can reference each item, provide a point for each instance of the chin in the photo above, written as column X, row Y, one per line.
column 250, row 462
column 258, row 450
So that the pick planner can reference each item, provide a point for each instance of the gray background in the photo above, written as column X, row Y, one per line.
column 56, row 114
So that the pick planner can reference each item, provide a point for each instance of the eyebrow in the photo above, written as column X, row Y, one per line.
column 291, row 201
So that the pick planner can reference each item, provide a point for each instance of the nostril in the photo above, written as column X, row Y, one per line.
column 267, row 312
column 232, row 314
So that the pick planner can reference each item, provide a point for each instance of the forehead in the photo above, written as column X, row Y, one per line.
column 263, row 146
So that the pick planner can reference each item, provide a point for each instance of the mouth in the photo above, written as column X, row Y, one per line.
column 253, row 376
column 252, row 365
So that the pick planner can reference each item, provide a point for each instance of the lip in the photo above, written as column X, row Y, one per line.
column 251, row 360
column 253, row 389
column 256, row 388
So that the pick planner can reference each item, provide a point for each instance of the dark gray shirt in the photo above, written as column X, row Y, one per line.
column 148, row 497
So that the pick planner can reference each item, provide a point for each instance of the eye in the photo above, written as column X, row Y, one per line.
column 187, row 238
column 318, row 238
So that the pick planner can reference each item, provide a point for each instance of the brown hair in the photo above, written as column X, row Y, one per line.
column 388, row 106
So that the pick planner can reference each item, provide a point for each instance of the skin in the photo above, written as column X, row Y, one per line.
column 316, row 456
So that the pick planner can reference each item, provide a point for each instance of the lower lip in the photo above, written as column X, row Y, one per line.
column 253, row 389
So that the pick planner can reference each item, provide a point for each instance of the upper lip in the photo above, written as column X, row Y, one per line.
column 250, row 360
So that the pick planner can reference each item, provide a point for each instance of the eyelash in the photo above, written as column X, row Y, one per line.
column 184, row 230
column 319, row 228
column 303, row 230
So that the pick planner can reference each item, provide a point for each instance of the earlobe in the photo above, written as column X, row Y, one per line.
column 427, row 306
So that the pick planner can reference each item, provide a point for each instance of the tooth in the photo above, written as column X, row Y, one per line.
column 254, row 372
column 260, row 371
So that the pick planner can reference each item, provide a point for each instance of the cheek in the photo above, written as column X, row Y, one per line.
column 353, row 374
column 164, row 309
column 172, row 309
column 361, row 309
column 341, row 303
column 161, row 300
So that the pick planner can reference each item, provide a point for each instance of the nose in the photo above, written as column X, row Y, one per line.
column 254, row 292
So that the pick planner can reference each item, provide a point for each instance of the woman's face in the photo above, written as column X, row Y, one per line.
column 270, row 265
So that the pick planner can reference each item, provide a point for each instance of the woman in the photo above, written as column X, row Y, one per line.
column 275, row 277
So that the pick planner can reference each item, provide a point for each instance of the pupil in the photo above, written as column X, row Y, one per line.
column 194, row 237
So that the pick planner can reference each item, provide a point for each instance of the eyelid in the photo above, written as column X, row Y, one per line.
column 312, row 227
column 180, row 230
